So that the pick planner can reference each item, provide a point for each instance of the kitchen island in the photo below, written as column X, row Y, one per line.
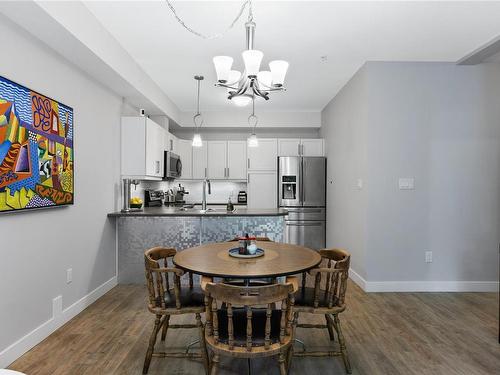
column 185, row 228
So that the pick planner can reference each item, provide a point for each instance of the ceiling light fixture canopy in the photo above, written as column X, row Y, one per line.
column 197, row 118
column 244, row 87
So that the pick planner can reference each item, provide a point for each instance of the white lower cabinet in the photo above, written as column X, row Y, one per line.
column 262, row 189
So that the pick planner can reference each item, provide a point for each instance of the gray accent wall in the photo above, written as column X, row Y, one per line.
column 438, row 123
column 39, row 246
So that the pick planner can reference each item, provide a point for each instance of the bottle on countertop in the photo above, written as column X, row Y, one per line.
column 230, row 206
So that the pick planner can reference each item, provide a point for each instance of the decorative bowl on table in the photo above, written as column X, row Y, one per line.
column 235, row 252
column 136, row 205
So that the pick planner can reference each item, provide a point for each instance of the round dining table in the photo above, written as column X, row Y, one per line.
column 279, row 259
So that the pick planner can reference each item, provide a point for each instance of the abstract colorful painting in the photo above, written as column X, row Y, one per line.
column 36, row 149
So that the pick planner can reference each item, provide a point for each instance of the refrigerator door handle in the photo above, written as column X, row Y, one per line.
column 305, row 224
column 303, row 188
column 302, row 211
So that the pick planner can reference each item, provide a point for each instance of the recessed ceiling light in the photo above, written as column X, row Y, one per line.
column 323, row 58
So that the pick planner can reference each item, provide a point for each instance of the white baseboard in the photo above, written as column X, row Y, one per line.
column 21, row 346
column 423, row 286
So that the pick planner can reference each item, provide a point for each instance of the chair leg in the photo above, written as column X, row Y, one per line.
column 165, row 328
column 289, row 356
column 152, row 341
column 203, row 345
column 329, row 325
column 343, row 348
column 215, row 364
column 281, row 361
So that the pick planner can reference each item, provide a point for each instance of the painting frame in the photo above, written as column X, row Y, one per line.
column 37, row 153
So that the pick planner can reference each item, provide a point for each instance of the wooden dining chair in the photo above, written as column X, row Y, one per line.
column 250, row 322
column 328, row 300
column 168, row 297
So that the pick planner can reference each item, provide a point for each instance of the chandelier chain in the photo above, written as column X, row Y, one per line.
column 217, row 35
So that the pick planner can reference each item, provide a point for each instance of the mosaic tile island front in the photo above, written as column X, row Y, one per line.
column 139, row 233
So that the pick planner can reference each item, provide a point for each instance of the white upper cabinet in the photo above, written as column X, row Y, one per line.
column 264, row 157
column 262, row 188
column 236, row 160
column 313, row 147
column 142, row 148
column 216, row 159
column 171, row 142
column 289, row 147
column 300, row 147
column 185, row 151
column 200, row 161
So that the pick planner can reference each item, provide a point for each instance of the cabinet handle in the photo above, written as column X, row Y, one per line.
column 298, row 148
column 248, row 178
column 171, row 145
column 248, row 163
column 205, row 171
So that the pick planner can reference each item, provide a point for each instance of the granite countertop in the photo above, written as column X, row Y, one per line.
column 175, row 211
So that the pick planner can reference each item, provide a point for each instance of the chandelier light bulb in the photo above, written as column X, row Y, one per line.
column 278, row 71
column 252, row 59
column 253, row 141
column 241, row 100
column 222, row 67
column 197, row 140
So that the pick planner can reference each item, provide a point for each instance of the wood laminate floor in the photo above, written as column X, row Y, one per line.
column 386, row 333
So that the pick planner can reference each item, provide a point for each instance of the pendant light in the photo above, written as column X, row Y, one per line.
column 253, row 141
column 197, row 118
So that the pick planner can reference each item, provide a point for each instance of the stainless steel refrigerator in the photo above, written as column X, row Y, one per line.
column 302, row 191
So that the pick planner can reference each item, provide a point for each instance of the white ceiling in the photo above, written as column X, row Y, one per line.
column 349, row 33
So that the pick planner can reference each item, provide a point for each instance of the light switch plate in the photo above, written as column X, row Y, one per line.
column 359, row 183
column 407, row 183
column 69, row 275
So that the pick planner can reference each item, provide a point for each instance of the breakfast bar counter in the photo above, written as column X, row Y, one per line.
column 182, row 229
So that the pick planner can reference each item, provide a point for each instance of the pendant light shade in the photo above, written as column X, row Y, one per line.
column 253, row 141
column 197, row 140
column 278, row 71
column 266, row 78
column 223, row 67
column 242, row 100
column 252, row 59
column 197, row 118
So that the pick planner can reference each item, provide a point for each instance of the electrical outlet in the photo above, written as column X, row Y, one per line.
column 69, row 275
column 428, row 257
column 57, row 306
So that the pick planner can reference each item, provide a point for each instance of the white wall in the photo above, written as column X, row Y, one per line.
column 438, row 123
column 39, row 246
column 344, row 129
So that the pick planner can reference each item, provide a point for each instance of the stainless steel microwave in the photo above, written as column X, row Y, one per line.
column 173, row 165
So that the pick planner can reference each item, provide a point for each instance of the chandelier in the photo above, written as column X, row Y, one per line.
column 243, row 86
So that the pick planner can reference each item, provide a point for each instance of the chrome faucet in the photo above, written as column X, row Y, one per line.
column 206, row 182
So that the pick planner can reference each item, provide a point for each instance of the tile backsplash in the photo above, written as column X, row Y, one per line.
column 221, row 190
